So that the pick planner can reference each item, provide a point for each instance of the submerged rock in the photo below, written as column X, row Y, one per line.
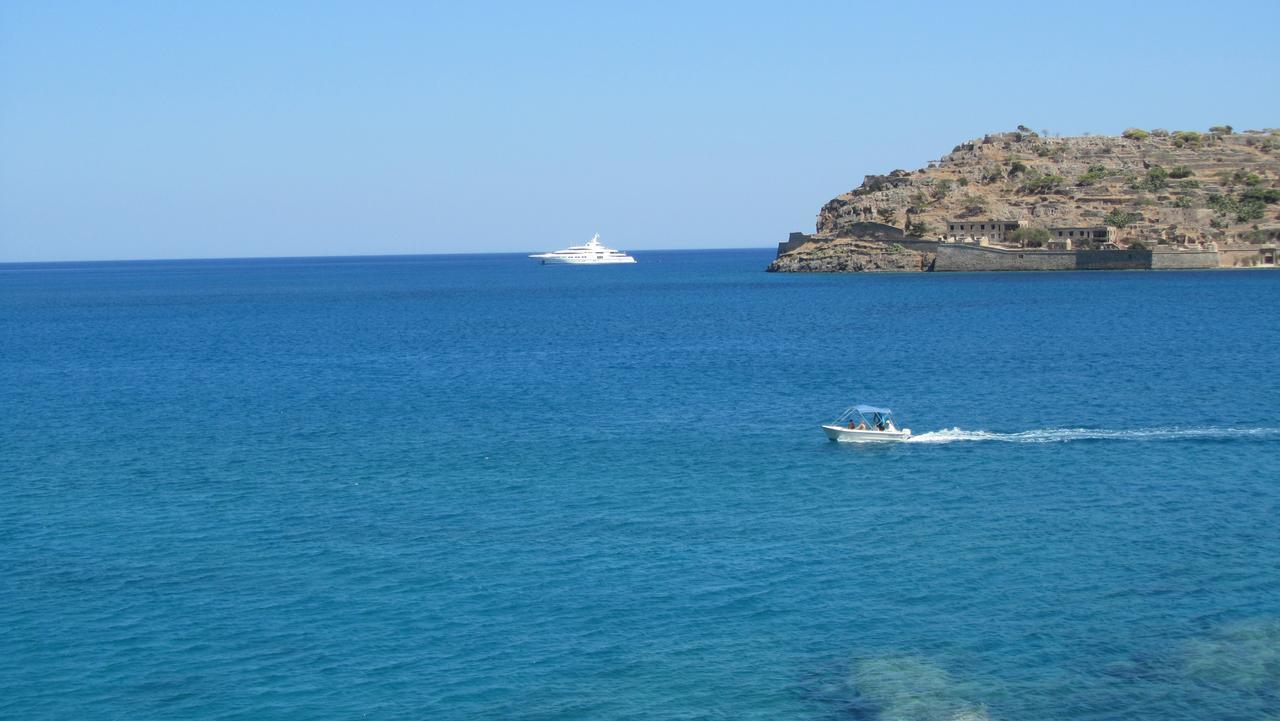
column 908, row 688
column 1244, row 654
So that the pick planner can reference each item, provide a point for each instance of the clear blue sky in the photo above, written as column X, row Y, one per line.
column 170, row 130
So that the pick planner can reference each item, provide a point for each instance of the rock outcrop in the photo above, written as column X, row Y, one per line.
column 847, row 255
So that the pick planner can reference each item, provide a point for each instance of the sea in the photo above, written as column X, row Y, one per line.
column 474, row 487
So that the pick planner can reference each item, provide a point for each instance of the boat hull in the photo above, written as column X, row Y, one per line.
column 853, row 435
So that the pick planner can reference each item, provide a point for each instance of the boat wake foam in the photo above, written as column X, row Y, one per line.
column 1064, row 435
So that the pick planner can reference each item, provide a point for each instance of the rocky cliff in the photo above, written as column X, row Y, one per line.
column 1152, row 188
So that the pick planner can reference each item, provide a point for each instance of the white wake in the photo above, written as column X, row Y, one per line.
column 1064, row 435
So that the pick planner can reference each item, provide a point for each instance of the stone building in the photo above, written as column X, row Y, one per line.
column 994, row 230
column 1095, row 234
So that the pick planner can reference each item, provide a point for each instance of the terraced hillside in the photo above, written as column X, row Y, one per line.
column 1152, row 187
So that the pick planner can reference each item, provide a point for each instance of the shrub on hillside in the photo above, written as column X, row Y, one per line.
column 1121, row 218
column 919, row 229
column 1265, row 195
column 1249, row 179
column 1043, row 184
column 1248, row 210
column 973, row 205
column 1187, row 138
column 1180, row 171
column 1157, row 178
column 1136, row 134
column 1092, row 176
column 1221, row 203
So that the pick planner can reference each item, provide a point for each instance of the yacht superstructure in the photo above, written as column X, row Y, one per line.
column 592, row 253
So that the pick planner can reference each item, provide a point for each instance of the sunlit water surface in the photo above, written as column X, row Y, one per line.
column 474, row 487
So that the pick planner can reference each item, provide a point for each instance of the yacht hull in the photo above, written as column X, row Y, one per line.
column 582, row 261
column 853, row 435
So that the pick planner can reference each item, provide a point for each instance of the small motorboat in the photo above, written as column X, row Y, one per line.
column 865, row 424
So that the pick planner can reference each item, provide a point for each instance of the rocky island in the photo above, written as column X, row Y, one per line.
column 1021, row 200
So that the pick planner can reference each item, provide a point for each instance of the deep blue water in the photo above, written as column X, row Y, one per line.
column 471, row 487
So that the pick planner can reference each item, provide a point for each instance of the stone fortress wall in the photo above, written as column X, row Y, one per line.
column 954, row 257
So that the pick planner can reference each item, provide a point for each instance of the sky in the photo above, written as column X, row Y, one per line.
column 236, row 129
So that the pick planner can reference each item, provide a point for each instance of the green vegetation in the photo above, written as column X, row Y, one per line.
column 1266, row 195
column 1220, row 130
column 1118, row 218
column 887, row 215
column 1187, row 138
column 1257, row 235
column 1092, row 176
column 1160, row 133
column 1220, row 203
column 1240, row 177
column 1183, row 202
column 963, row 182
column 992, row 174
column 1189, row 184
column 1250, row 210
column 1030, row 236
column 1017, row 167
column 919, row 229
column 1136, row 134
column 973, row 205
column 1157, row 178
column 1178, row 172
column 1250, row 206
column 940, row 189
column 1043, row 184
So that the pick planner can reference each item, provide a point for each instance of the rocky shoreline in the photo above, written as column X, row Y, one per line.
column 849, row 255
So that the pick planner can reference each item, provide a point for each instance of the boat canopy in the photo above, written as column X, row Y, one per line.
column 871, row 415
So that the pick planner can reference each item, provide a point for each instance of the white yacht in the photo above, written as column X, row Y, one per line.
column 592, row 253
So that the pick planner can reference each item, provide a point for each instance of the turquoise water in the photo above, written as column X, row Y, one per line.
column 465, row 487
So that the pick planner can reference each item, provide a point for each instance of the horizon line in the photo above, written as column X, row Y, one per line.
column 334, row 257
